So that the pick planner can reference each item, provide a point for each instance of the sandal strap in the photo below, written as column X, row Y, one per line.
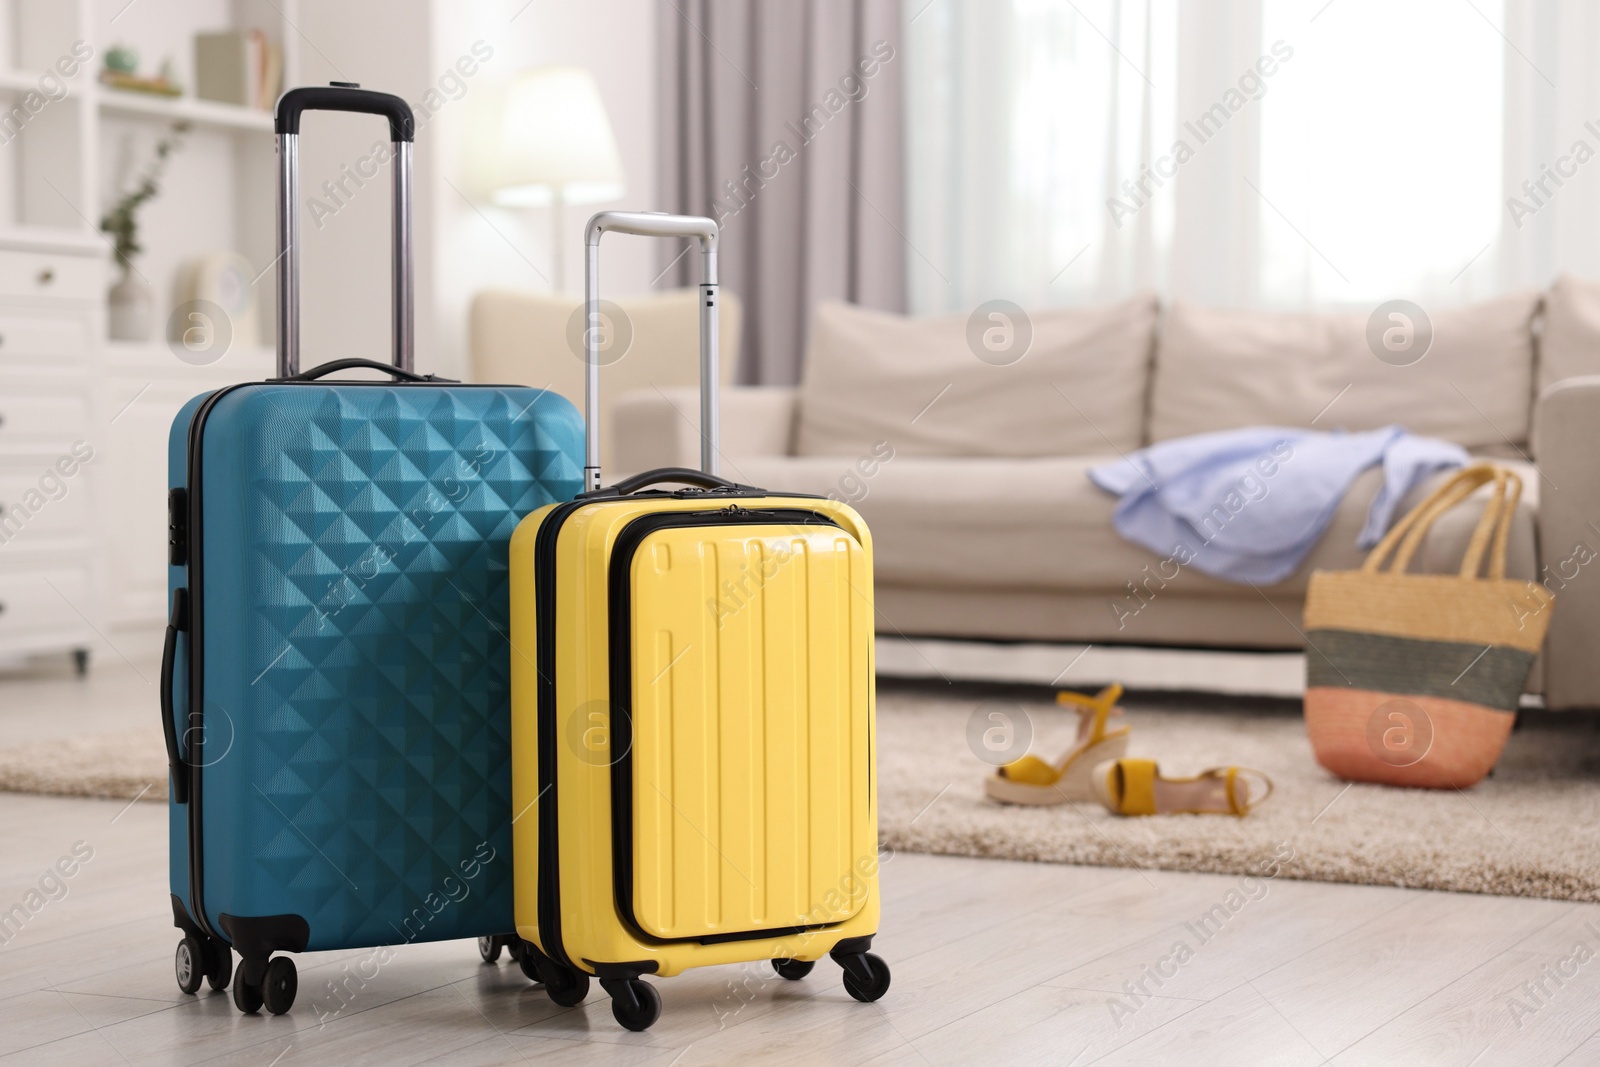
column 1239, row 803
column 1133, row 786
column 1102, row 704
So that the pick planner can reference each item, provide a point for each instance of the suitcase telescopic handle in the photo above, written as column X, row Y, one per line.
column 650, row 224
column 341, row 96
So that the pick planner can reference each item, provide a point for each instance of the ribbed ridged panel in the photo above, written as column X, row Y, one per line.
column 751, row 715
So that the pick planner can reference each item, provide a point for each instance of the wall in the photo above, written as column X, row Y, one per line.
column 345, row 281
column 480, row 245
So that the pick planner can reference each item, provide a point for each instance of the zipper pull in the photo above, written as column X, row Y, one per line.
column 733, row 511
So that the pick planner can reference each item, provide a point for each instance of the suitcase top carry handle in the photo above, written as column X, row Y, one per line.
column 650, row 224
column 676, row 474
column 337, row 365
column 341, row 96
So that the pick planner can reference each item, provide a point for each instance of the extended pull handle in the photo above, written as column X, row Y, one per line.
column 651, row 224
column 177, row 622
column 342, row 96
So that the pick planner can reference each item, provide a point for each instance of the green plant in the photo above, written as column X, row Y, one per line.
column 122, row 221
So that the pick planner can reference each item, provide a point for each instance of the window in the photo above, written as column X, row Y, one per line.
column 1276, row 154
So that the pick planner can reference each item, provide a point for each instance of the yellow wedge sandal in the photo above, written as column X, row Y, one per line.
column 1031, row 780
column 1136, row 787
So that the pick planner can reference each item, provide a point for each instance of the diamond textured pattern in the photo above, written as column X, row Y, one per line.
column 356, row 650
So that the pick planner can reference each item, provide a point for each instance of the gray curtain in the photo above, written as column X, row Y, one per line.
column 782, row 121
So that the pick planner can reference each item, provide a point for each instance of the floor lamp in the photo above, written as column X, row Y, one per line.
column 556, row 148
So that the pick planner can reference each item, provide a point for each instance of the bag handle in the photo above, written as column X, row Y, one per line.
column 337, row 365
column 177, row 622
column 686, row 475
column 1451, row 493
column 343, row 96
column 1502, row 531
column 1406, row 536
column 650, row 224
column 1480, row 533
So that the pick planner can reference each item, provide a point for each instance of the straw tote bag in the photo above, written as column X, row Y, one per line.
column 1414, row 679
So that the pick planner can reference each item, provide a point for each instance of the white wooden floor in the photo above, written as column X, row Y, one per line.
column 993, row 963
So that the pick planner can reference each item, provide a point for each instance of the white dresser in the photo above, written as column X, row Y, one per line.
column 52, row 447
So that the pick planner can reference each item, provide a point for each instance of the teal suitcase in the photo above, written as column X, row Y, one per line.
column 336, row 678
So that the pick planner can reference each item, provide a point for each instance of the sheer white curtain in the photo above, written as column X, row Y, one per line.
column 1020, row 114
column 1335, row 154
column 1552, row 142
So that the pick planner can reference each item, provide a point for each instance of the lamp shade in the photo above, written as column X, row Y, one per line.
column 555, row 137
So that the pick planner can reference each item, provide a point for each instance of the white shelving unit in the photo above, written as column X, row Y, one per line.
column 67, row 145
column 203, row 113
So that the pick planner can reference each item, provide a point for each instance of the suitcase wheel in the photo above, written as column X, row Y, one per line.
column 565, row 986
column 221, row 967
column 489, row 948
column 280, row 985
column 866, row 976
column 793, row 970
column 189, row 964
column 529, row 960
column 269, row 984
column 634, row 1002
column 246, row 993
column 201, row 959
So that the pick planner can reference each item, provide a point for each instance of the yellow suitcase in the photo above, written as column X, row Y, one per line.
column 692, row 719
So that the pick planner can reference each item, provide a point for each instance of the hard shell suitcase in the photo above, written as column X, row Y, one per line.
column 692, row 724
column 336, row 678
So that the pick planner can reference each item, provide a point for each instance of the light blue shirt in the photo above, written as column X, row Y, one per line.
column 1249, row 505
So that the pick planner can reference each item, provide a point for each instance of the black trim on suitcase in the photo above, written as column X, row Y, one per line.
column 619, row 620
column 259, row 936
column 544, row 590
column 195, row 734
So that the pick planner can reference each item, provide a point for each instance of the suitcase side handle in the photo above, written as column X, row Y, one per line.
column 177, row 622
column 651, row 224
column 342, row 96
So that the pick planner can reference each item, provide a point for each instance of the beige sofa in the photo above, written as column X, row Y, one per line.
column 532, row 338
column 972, row 471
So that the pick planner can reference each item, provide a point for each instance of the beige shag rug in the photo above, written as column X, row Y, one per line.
column 120, row 766
column 1533, row 829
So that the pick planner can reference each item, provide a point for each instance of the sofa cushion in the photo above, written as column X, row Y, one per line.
column 1216, row 370
column 1570, row 344
column 872, row 376
column 1040, row 524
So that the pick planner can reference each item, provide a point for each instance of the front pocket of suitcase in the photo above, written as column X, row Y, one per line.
column 741, row 801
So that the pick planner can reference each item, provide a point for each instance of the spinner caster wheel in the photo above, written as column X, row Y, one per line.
column 280, row 985
column 565, row 986
column 489, row 949
column 793, row 970
column 634, row 1003
column 189, row 964
column 866, row 977
column 221, row 968
column 529, row 960
column 246, row 993
column 274, row 989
